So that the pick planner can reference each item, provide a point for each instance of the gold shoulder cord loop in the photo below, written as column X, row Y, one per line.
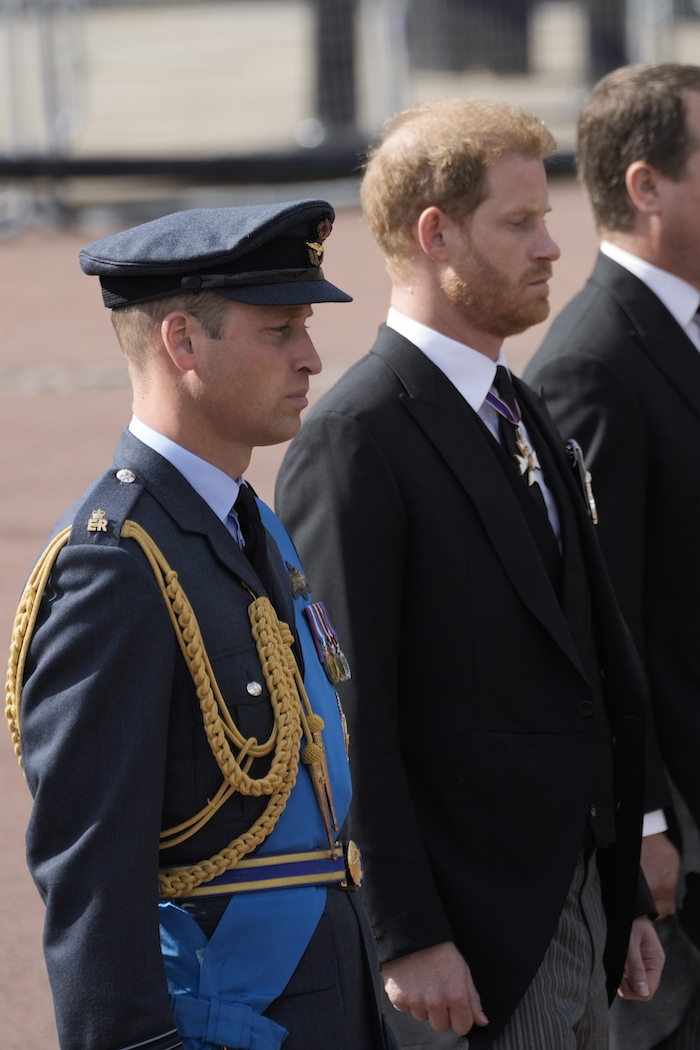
column 22, row 630
column 290, row 707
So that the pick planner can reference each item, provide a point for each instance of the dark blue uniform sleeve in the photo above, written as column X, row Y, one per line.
column 94, row 727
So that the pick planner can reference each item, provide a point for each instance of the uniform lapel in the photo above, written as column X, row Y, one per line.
column 190, row 511
column 460, row 438
column 657, row 333
column 193, row 515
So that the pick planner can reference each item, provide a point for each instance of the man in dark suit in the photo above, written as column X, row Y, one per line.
column 443, row 519
column 172, row 746
column 620, row 370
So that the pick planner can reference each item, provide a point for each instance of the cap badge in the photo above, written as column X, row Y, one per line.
column 323, row 230
column 315, row 252
column 98, row 522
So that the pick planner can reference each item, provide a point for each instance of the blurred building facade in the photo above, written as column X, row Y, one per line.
column 266, row 90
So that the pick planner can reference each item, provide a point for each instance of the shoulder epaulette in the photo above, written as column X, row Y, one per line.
column 101, row 513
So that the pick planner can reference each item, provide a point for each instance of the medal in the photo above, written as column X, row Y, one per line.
column 575, row 454
column 297, row 580
column 527, row 460
column 330, row 654
column 343, row 666
column 330, row 666
column 344, row 724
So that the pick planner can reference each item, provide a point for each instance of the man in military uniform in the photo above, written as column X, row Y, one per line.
column 168, row 686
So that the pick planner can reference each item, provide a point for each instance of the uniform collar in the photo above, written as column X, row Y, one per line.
column 217, row 489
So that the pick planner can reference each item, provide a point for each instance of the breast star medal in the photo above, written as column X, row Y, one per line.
column 527, row 460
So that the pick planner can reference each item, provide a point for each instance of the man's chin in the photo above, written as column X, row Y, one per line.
column 517, row 325
column 538, row 313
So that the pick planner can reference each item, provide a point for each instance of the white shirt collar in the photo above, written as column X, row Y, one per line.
column 680, row 298
column 470, row 371
column 215, row 487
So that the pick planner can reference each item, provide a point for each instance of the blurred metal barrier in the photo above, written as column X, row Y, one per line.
column 240, row 92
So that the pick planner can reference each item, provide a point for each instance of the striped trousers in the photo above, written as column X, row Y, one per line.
column 566, row 1006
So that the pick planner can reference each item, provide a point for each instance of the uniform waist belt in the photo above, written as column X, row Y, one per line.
column 342, row 865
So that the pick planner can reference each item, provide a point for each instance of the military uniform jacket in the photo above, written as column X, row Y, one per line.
column 113, row 743
column 621, row 376
column 470, row 713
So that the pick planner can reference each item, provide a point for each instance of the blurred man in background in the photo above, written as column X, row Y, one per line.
column 620, row 370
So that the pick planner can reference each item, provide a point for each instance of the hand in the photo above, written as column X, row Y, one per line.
column 661, row 864
column 435, row 985
column 645, row 961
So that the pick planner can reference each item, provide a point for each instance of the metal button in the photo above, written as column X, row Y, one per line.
column 586, row 708
column 254, row 688
column 126, row 476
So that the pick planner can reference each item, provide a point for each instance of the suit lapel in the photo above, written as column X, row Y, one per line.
column 656, row 331
column 559, row 475
column 460, row 438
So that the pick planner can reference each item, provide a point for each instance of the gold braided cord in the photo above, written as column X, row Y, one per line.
column 285, row 703
column 272, row 640
column 290, row 706
column 22, row 630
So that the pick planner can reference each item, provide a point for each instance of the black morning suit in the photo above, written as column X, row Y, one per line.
column 621, row 375
column 476, row 721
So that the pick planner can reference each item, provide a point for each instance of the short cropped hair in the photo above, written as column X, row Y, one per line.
column 635, row 113
column 439, row 155
column 136, row 326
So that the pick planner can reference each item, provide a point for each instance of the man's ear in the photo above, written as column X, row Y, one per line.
column 430, row 233
column 178, row 330
column 642, row 182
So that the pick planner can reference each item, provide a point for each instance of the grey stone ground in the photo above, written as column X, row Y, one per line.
column 63, row 403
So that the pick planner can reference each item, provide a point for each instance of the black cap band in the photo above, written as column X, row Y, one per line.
column 206, row 282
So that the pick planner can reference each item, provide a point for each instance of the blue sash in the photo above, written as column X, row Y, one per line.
column 219, row 988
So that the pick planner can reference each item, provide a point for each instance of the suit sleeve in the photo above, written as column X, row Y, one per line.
column 94, row 727
column 590, row 402
column 338, row 496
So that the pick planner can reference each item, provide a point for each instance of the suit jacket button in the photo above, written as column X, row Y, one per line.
column 585, row 708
